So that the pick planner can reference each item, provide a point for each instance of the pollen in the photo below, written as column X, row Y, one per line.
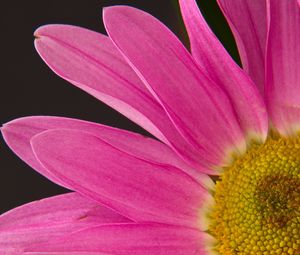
column 257, row 201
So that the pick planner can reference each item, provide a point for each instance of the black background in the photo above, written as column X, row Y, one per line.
column 29, row 87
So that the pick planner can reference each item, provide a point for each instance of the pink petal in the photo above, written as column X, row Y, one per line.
column 213, row 59
column 138, row 189
column 50, row 218
column 131, row 239
column 66, row 253
column 18, row 133
column 248, row 22
column 283, row 66
column 197, row 106
column 91, row 62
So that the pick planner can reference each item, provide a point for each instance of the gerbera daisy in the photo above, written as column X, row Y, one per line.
column 136, row 195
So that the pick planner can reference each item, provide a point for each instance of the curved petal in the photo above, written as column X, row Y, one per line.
column 65, row 253
column 196, row 105
column 213, row 59
column 283, row 66
column 248, row 22
column 131, row 239
column 43, row 220
column 18, row 133
column 138, row 189
column 91, row 62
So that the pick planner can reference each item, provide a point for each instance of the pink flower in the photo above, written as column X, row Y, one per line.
column 210, row 117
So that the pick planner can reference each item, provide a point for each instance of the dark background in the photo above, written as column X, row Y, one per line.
column 29, row 87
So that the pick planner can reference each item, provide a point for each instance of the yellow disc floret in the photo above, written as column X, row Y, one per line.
column 257, row 201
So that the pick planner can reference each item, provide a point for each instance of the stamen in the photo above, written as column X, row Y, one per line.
column 257, row 201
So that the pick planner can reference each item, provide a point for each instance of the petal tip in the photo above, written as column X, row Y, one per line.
column 38, row 32
column 6, row 131
column 109, row 11
column 3, row 130
column 5, row 127
column 43, row 30
column 36, row 35
column 115, row 10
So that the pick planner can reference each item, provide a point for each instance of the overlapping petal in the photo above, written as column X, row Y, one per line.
column 197, row 106
column 91, row 62
column 283, row 68
column 213, row 59
column 129, row 239
column 203, row 108
column 138, row 189
column 19, row 132
column 50, row 218
column 65, row 253
column 248, row 22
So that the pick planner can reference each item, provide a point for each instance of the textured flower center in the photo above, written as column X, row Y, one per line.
column 257, row 208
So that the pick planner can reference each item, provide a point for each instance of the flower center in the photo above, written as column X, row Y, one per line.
column 257, row 209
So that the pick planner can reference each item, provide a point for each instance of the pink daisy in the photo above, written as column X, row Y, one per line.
column 134, row 195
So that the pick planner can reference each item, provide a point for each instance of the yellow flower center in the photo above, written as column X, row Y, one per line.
column 257, row 201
